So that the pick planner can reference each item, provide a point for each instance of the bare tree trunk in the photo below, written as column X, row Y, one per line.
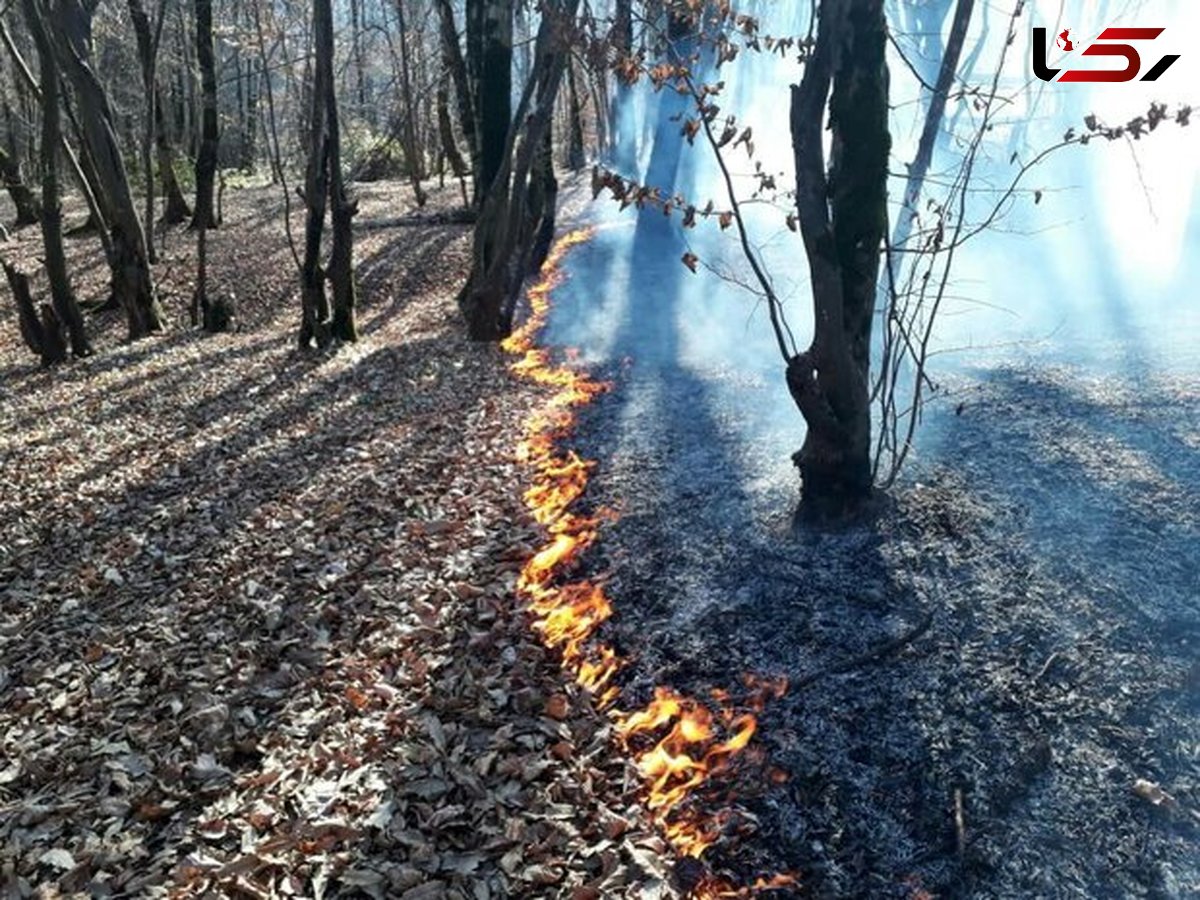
column 505, row 233
column 22, row 196
column 206, row 160
column 494, row 88
column 175, row 207
column 449, row 147
column 933, row 121
column 44, row 337
column 360, row 85
column 81, row 179
column 342, row 208
column 843, row 217
column 133, row 284
column 624, row 149
column 324, row 177
column 147, row 41
column 62, row 295
column 411, row 150
column 463, row 96
column 575, row 154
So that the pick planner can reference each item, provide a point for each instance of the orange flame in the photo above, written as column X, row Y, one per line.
column 677, row 743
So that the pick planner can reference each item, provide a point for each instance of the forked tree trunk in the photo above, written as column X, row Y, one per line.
column 452, row 57
column 62, row 295
column 842, row 217
column 324, row 179
column 514, row 207
column 206, row 160
column 133, row 284
column 45, row 336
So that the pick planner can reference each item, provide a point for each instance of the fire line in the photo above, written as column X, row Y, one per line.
column 678, row 744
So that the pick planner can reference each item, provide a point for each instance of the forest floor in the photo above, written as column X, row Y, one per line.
column 990, row 682
column 258, row 634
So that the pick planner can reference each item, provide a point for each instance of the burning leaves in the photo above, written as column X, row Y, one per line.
column 678, row 744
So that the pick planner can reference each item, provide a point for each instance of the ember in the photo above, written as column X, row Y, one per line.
column 678, row 743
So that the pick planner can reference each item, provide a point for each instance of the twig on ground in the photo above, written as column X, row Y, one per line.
column 875, row 654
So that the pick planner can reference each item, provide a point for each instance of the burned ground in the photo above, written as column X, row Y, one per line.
column 1015, row 631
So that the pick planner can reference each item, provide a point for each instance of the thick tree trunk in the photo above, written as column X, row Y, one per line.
column 842, row 220
column 62, row 295
column 206, row 160
column 22, row 196
column 133, row 284
column 494, row 89
column 514, row 208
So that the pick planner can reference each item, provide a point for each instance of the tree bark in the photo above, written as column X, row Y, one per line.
column 842, row 219
column 206, row 160
column 933, row 122
column 575, row 153
column 324, row 181
column 455, row 64
column 44, row 337
column 493, row 87
column 515, row 206
column 412, row 153
column 66, row 306
column 22, row 196
column 175, row 205
column 449, row 148
column 133, row 284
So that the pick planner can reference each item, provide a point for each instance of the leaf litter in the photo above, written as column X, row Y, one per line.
column 258, row 634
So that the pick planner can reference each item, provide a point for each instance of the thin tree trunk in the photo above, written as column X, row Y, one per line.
column 81, row 179
column 62, row 295
column 575, row 153
column 411, row 150
column 206, row 160
column 933, row 122
column 449, row 147
column 463, row 97
column 175, row 205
